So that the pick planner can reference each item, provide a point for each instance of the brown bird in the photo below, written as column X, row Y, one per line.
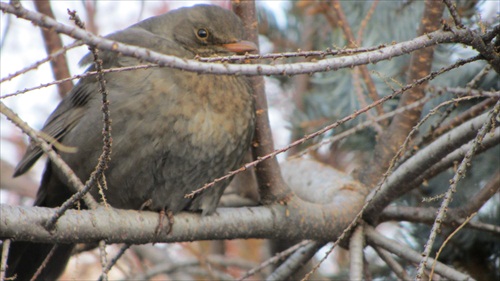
column 172, row 130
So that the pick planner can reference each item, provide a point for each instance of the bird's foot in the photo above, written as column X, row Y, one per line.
column 146, row 204
column 170, row 216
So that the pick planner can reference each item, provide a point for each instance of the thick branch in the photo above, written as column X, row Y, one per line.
column 397, row 183
column 295, row 221
column 428, row 215
column 272, row 187
column 338, row 199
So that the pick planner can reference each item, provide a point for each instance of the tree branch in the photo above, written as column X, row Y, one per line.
column 272, row 187
column 376, row 239
column 397, row 183
column 53, row 43
column 330, row 64
column 293, row 222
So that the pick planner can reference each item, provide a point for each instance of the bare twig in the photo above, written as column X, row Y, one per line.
column 462, row 168
column 45, row 262
column 105, row 157
column 73, row 180
column 479, row 76
column 112, row 262
column 461, row 118
column 405, row 252
column 35, row 65
column 279, row 256
column 452, row 7
column 104, row 260
column 295, row 261
column 465, row 91
column 392, row 263
column 446, row 242
column 86, row 74
column 298, row 54
column 359, row 127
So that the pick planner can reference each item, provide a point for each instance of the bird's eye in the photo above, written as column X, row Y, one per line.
column 202, row 33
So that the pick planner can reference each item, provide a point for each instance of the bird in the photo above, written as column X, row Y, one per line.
column 172, row 130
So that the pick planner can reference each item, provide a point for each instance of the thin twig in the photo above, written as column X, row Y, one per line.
column 79, row 76
column 375, row 238
column 465, row 91
column 391, row 262
column 42, row 61
column 104, row 260
column 447, row 240
column 298, row 54
column 452, row 7
column 398, row 158
column 105, row 156
column 473, row 83
column 296, row 260
column 74, row 181
column 113, row 261
column 460, row 118
column 277, row 257
column 359, row 127
column 460, row 173
column 45, row 262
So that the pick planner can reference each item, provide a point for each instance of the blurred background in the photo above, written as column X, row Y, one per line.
column 298, row 105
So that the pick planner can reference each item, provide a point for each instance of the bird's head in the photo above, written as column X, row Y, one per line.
column 208, row 30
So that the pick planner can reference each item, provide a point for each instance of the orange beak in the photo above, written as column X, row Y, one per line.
column 241, row 47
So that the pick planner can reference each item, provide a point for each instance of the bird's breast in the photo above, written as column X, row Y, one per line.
column 208, row 112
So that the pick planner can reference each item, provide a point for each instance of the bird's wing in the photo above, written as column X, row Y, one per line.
column 135, row 36
column 62, row 120
column 73, row 107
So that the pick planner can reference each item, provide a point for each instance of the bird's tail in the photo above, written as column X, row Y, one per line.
column 46, row 261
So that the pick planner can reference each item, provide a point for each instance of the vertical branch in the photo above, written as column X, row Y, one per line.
column 272, row 187
column 452, row 7
column 402, row 124
column 53, row 43
column 356, row 245
column 91, row 11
